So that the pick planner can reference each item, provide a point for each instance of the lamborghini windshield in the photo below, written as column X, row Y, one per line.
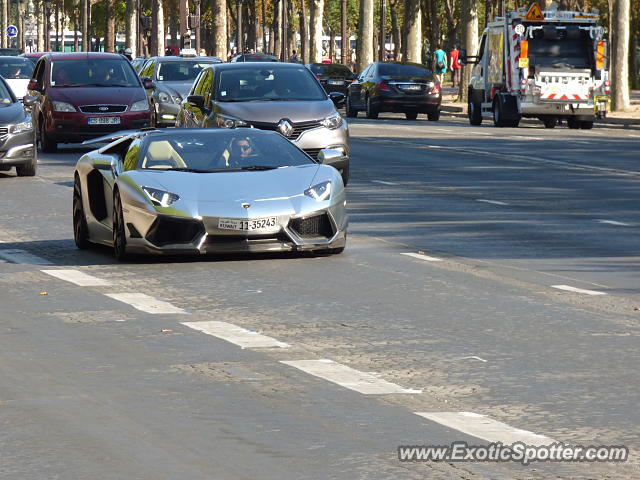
column 215, row 151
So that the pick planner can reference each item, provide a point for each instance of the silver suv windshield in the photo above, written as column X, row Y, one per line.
column 267, row 84
column 177, row 71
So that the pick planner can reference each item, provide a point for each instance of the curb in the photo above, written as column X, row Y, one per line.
column 455, row 111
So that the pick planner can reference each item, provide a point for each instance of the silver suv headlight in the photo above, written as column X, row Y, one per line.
column 62, row 107
column 319, row 192
column 226, row 121
column 332, row 122
column 165, row 97
column 140, row 106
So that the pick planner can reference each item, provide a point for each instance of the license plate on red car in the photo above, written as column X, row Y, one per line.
column 103, row 120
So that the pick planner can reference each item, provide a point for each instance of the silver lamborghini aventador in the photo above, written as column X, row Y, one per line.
column 207, row 191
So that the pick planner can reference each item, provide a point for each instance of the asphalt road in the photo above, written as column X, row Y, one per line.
column 316, row 367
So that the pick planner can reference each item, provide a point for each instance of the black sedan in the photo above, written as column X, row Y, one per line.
column 405, row 87
column 334, row 77
column 254, row 57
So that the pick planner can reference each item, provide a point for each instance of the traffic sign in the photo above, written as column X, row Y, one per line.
column 12, row 31
column 535, row 13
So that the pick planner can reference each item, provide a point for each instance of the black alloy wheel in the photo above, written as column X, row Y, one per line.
column 372, row 111
column 119, row 233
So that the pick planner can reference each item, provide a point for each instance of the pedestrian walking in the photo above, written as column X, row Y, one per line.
column 440, row 64
column 456, row 68
column 294, row 57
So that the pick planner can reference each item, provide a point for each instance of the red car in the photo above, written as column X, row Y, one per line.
column 85, row 95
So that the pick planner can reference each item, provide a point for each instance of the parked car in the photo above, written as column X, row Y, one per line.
column 172, row 79
column 333, row 77
column 17, row 137
column 285, row 97
column 85, row 95
column 254, row 57
column 404, row 87
column 207, row 191
column 17, row 72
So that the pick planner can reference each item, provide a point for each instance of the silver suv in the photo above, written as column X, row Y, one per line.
column 285, row 97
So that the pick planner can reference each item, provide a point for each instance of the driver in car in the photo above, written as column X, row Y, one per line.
column 241, row 151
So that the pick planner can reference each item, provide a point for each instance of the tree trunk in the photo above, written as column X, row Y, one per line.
column 620, row 52
column 412, row 18
column 365, row 35
column 5, row 23
column 276, row 29
column 264, row 25
column 345, row 48
column 304, row 32
column 395, row 28
column 219, row 14
column 131, row 22
column 633, row 57
column 317, row 10
column 291, row 31
column 469, row 10
column 157, row 27
column 110, row 38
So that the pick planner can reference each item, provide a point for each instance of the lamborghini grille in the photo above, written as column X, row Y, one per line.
column 169, row 230
column 311, row 227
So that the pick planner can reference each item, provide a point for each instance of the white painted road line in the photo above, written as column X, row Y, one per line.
column 613, row 222
column 577, row 290
column 347, row 377
column 237, row 335
column 481, row 426
column 22, row 257
column 77, row 277
column 422, row 257
column 492, row 202
column 382, row 182
column 444, row 130
column 146, row 303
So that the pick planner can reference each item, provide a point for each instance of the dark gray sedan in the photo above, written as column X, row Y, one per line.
column 172, row 78
column 17, row 137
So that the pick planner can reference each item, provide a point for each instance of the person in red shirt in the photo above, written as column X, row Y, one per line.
column 456, row 68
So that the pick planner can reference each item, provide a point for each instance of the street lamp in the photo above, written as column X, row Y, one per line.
column 239, row 14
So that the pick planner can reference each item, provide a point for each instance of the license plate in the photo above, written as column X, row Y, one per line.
column 335, row 82
column 411, row 87
column 103, row 120
column 249, row 225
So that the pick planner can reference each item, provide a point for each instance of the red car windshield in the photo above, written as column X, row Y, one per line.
column 93, row 73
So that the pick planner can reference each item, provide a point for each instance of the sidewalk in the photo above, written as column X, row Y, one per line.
column 629, row 119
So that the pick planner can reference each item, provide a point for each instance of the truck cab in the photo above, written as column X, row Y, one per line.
column 539, row 64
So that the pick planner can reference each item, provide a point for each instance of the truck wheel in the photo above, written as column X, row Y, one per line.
column 497, row 114
column 549, row 122
column 573, row 123
column 474, row 111
column 372, row 112
column 588, row 125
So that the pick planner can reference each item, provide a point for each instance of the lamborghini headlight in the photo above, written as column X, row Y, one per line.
column 226, row 121
column 22, row 127
column 140, row 106
column 332, row 122
column 319, row 192
column 160, row 198
column 63, row 107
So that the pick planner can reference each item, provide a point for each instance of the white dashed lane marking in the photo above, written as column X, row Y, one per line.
column 613, row 222
column 492, row 202
column 382, row 182
column 77, row 277
column 145, row 303
column 237, row 335
column 422, row 257
column 347, row 377
column 569, row 288
column 22, row 257
column 481, row 426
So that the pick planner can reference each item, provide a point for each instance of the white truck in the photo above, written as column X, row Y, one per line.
column 540, row 64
